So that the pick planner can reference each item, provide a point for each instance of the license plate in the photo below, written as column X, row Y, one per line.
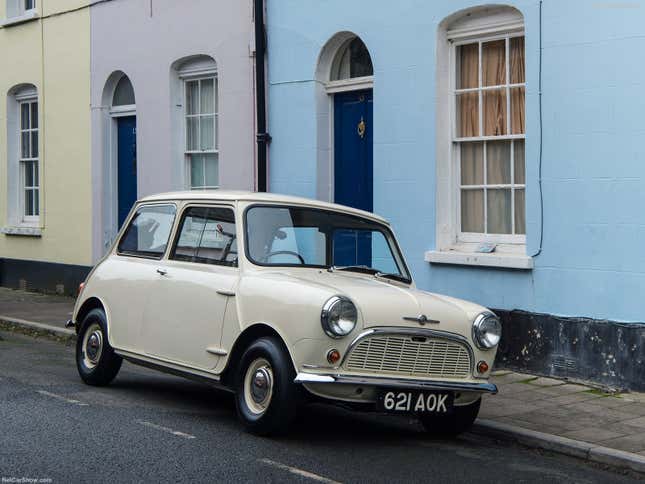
column 415, row 402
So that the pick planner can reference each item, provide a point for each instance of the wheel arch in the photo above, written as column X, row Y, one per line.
column 88, row 305
column 247, row 336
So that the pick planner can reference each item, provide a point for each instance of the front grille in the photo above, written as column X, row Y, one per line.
column 403, row 355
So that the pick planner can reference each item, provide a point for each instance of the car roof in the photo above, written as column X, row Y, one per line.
column 259, row 197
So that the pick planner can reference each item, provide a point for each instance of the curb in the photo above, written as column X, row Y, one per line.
column 36, row 329
column 562, row 445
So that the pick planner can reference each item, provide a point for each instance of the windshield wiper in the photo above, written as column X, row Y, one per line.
column 396, row 277
column 357, row 268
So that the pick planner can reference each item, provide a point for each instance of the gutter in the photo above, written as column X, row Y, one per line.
column 262, row 137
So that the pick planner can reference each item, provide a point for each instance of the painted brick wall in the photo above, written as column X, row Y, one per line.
column 593, row 259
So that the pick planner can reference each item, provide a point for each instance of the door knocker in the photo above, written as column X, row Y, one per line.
column 361, row 128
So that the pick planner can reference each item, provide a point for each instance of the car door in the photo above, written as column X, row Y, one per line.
column 128, row 275
column 184, row 314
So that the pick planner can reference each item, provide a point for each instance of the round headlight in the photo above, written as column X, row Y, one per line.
column 338, row 316
column 487, row 331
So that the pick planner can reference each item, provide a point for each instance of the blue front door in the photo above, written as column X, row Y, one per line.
column 353, row 171
column 127, row 165
column 353, row 149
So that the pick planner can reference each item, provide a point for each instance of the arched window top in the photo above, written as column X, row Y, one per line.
column 352, row 60
column 198, row 65
column 123, row 93
column 481, row 20
column 23, row 91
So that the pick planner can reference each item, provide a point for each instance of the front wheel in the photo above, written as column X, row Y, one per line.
column 96, row 361
column 454, row 424
column 266, row 397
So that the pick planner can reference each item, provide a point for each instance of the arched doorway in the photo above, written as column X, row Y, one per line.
column 346, row 71
column 123, row 112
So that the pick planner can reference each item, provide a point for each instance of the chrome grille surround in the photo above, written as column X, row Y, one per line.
column 410, row 352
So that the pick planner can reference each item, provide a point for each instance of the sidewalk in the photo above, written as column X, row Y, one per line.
column 551, row 414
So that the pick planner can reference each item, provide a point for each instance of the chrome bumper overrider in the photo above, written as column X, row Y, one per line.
column 394, row 382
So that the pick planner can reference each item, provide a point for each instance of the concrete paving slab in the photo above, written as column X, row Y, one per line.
column 592, row 434
column 636, row 422
column 628, row 443
column 546, row 382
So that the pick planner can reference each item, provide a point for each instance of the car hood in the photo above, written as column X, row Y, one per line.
column 384, row 303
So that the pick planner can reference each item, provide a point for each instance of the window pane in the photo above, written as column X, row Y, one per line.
column 517, row 111
column 36, row 202
column 499, row 211
column 494, row 63
column 28, row 170
column 211, row 170
column 191, row 231
column 468, row 66
column 494, row 112
column 520, row 219
column 498, row 157
column 472, row 211
column 196, row 171
column 517, row 60
column 34, row 115
column 24, row 116
column 24, row 152
column 207, row 132
column 123, row 93
column 207, row 97
column 467, row 115
column 192, row 134
column 148, row 231
column 360, row 62
column 192, row 97
column 34, row 144
column 518, row 157
column 472, row 163
column 217, row 244
column 29, row 203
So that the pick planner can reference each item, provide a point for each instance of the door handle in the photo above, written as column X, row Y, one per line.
column 224, row 292
column 162, row 272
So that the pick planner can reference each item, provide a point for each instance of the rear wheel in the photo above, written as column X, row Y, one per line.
column 96, row 361
column 266, row 397
column 454, row 424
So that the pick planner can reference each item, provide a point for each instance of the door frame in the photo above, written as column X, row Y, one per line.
column 111, row 226
column 332, row 88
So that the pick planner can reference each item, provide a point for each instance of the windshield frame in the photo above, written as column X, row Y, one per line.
column 393, row 243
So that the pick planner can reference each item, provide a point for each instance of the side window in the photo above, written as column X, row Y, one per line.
column 207, row 235
column 148, row 232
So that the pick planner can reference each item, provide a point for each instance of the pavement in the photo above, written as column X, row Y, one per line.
column 549, row 414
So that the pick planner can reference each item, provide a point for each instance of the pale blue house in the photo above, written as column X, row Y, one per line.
column 505, row 144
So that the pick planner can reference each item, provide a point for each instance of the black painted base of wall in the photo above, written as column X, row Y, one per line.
column 40, row 276
column 603, row 352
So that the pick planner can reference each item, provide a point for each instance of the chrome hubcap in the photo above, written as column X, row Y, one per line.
column 258, row 386
column 92, row 345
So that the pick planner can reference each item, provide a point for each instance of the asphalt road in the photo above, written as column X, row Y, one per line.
column 150, row 427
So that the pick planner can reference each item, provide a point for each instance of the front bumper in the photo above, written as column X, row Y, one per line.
column 389, row 382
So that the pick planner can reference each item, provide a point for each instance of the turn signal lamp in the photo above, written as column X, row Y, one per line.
column 482, row 367
column 333, row 356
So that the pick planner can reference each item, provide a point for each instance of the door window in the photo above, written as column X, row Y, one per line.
column 207, row 235
column 148, row 232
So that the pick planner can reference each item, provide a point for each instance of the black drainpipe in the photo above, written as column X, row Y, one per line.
column 263, row 138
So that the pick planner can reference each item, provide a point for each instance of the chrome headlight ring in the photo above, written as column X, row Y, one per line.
column 338, row 316
column 487, row 330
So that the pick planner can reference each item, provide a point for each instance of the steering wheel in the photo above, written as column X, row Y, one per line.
column 288, row 252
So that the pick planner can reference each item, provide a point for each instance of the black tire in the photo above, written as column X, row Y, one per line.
column 96, row 366
column 276, row 414
column 454, row 424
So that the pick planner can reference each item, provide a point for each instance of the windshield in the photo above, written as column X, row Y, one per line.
column 306, row 237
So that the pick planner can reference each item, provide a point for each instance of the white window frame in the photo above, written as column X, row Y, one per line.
column 23, row 188
column 199, row 75
column 470, row 237
column 452, row 246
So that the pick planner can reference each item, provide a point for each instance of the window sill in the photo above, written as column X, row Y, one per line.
column 23, row 231
column 25, row 17
column 504, row 260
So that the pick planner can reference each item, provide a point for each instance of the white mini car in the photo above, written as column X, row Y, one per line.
column 282, row 300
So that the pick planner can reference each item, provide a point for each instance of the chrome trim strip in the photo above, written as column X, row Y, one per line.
column 395, row 382
column 425, row 332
